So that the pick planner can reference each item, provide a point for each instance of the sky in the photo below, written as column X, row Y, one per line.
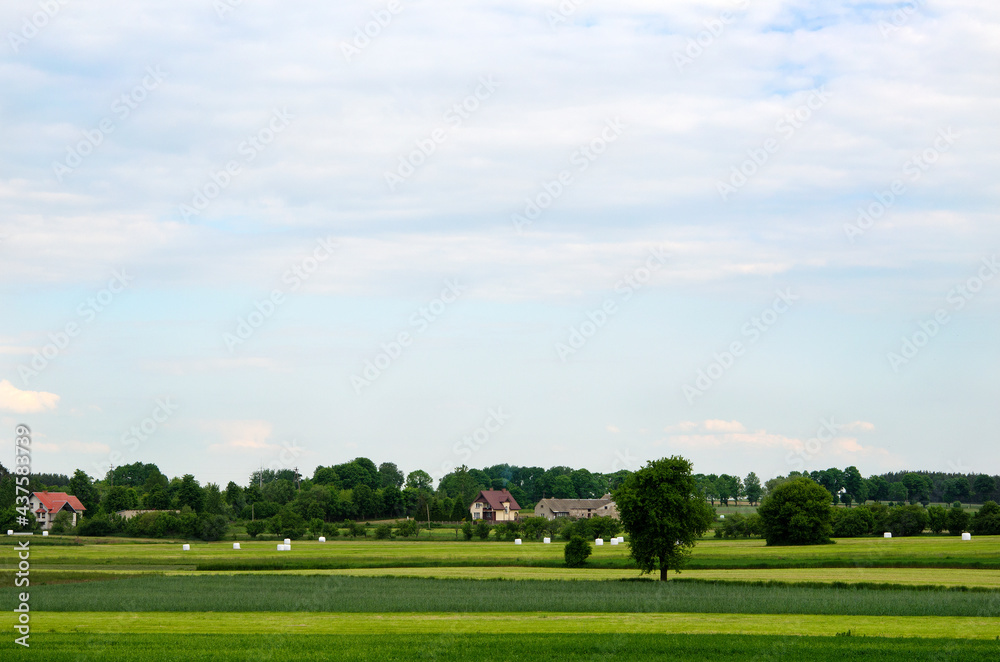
column 762, row 236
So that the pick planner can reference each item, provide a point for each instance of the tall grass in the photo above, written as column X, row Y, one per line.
column 335, row 593
column 501, row 647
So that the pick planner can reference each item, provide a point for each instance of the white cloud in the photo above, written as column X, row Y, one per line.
column 241, row 436
column 15, row 400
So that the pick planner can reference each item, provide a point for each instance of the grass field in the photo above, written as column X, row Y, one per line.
column 264, row 593
column 908, row 598
column 917, row 552
column 526, row 647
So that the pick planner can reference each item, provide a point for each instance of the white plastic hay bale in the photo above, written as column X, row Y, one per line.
column 236, row 545
column 45, row 533
column 966, row 536
column 614, row 541
column 599, row 542
column 10, row 532
column 886, row 535
column 547, row 541
column 621, row 539
column 186, row 548
column 284, row 548
column 722, row 517
column 517, row 541
column 288, row 541
column 322, row 539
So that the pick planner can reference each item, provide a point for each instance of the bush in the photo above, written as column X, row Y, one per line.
column 604, row 527
column 213, row 527
column 467, row 530
column 355, row 529
column 534, row 527
column 331, row 530
column 987, row 521
column 482, row 530
column 958, row 520
column 256, row 527
column 797, row 512
column 854, row 523
column 409, row 528
column 576, row 552
column 937, row 519
column 906, row 520
column 383, row 532
column 62, row 523
column 100, row 525
column 507, row 531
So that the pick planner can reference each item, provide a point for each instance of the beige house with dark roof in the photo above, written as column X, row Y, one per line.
column 494, row 506
column 576, row 508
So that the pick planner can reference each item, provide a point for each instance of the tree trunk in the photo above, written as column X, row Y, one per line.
column 663, row 572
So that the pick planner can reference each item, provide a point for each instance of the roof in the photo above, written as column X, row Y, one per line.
column 565, row 505
column 495, row 499
column 53, row 502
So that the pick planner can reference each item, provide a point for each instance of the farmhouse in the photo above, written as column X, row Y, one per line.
column 494, row 506
column 46, row 505
column 578, row 508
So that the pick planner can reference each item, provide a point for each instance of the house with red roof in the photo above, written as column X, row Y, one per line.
column 494, row 506
column 46, row 505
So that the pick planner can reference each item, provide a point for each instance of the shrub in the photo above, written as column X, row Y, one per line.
column 383, row 532
column 408, row 528
column 987, row 521
column 256, row 527
column 62, row 523
column 958, row 520
column 100, row 525
column 604, row 527
column 906, row 520
column 507, row 531
column 213, row 527
column 482, row 530
column 331, row 530
column 854, row 523
column 797, row 512
column 467, row 530
column 534, row 527
column 576, row 552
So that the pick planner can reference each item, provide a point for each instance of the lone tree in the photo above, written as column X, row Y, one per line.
column 664, row 512
column 797, row 512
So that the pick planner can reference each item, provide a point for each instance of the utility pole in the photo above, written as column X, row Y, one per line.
column 112, row 473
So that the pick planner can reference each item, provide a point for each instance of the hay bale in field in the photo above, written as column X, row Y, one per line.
column 45, row 533
column 517, row 541
column 236, row 545
column 186, row 548
column 547, row 541
column 599, row 542
column 966, row 536
column 322, row 538
column 886, row 535
column 288, row 541
column 614, row 541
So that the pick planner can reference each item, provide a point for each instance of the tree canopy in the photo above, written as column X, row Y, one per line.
column 664, row 513
column 797, row 512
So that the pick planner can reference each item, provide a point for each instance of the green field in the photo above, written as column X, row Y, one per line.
column 907, row 598
column 526, row 647
column 336, row 594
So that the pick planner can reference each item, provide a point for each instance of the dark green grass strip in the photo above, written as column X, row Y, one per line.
column 506, row 647
column 250, row 593
column 610, row 563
